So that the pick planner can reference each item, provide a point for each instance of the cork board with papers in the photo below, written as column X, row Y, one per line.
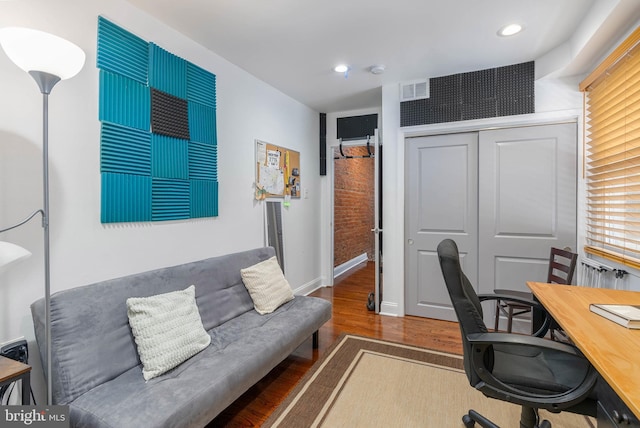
column 277, row 170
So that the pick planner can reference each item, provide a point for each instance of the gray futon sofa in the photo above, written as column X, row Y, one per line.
column 96, row 369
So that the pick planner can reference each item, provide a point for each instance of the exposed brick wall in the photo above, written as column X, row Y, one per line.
column 353, row 206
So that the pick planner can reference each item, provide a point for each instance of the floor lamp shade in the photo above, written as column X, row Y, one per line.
column 11, row 253
column 34, row 50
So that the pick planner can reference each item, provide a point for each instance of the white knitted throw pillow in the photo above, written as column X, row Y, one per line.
column 267, row 285
column 167, row 329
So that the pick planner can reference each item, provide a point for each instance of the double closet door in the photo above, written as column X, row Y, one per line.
column 504, row 196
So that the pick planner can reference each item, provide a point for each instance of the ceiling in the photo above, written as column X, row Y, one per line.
column 294, row 44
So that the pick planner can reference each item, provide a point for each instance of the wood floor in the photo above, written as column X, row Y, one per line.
column 350, row 315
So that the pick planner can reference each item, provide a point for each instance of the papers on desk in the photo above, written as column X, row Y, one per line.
column 625, row 315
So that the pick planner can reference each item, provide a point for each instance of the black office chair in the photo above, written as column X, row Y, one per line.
column 530, row 371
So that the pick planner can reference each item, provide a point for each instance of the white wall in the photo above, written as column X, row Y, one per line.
column 82, row 249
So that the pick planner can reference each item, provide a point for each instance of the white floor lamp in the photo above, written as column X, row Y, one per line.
column 48, row 59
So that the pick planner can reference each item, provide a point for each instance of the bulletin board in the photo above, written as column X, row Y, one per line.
column 277, row 170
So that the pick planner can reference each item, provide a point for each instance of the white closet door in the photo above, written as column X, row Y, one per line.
column 441, row 197
column 527, row 204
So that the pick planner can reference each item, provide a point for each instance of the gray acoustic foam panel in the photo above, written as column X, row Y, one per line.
column 169, row 115
column 494, row 92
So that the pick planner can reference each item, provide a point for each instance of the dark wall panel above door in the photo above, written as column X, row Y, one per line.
column 494, row 92
column 356, row 127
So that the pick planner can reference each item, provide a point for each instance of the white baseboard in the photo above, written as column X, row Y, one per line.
column 389, row 309
column 309, row 287
column 344, row 267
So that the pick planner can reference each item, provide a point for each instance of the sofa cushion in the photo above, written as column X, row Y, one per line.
column 267, row 285
column 167, row 330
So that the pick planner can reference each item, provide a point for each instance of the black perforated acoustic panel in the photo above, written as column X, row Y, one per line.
column 502, row 91
column 445, row 90
column 169, row 115
column 356, row 127
column 415, row 112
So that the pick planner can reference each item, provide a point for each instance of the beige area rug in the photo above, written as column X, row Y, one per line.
column 365, row 382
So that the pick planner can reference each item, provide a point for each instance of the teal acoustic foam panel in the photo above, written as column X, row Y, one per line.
column 170, row 157
column 125, row 197
column 202, row 123
column 167, row 72
column 125, row 150
column 158, row 141
column 122, row 52
column 203, row 161
column 204, row 198
column 124, row 101
column 200, row 85
column 170, row 199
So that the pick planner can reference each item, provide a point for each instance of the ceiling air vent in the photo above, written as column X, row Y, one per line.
column 414, row 90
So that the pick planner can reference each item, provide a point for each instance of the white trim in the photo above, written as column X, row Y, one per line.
column 533, row 119
column 309, row 287
column 344, row 267
column 390, row 309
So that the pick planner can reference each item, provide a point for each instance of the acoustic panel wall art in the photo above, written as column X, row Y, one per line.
column 158, row 144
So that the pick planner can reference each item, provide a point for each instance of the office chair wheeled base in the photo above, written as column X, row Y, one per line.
column 528, row 419
column 470, row 419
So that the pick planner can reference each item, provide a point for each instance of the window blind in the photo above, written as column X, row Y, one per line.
column 612, row 118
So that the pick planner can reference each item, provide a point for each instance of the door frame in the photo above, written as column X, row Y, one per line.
column 536, row 119
column 375, row 142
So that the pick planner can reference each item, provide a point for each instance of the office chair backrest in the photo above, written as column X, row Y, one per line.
column 465, row 302
column 562, row 265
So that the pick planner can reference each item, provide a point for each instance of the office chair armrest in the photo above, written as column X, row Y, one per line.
column 492, row 386
column 510, row 298
column 535, row 305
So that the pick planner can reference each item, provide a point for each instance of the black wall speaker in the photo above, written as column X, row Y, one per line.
column 323, row 144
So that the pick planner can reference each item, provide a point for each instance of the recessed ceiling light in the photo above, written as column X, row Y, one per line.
column 510, row 30
column 342, row 68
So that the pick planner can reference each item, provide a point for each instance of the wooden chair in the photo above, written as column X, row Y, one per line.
column 562, row 265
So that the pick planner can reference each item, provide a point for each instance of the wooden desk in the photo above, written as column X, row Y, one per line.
column 611, row 348
column 11, row 371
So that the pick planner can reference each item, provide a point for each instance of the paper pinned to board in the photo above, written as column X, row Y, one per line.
column 272, row 180
column 261, row 152
column 273, row 159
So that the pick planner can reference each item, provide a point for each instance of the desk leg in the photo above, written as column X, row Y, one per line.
column 26, row 389
column 537, row 317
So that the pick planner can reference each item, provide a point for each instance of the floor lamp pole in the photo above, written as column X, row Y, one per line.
column 46, row 82
column 45, row 225
column 35, row 51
